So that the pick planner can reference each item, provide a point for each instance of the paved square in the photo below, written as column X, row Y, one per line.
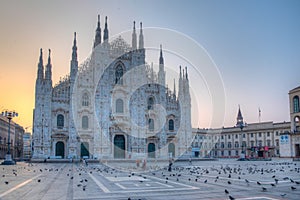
column 277, row 179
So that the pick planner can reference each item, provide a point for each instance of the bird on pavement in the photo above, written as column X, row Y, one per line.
column 283, row 195
column 264, row 189
column 293, row 188
column 226, row 191
column 258, row 183
column 231, row 197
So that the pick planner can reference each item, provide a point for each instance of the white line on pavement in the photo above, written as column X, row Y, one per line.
column 17, row 186
column 101, row 186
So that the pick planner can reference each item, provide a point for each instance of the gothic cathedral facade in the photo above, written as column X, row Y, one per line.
column 113, row 106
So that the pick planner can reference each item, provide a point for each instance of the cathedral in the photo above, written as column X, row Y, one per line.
column 112, row 106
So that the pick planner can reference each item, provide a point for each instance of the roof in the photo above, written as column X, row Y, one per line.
column 295, row 89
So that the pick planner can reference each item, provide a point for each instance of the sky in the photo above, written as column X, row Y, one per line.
column 253, row 48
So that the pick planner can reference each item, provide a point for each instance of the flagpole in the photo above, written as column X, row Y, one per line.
column 259, row 114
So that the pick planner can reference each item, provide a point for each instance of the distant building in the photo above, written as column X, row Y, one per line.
column 16, row 136
column 18, row 144
column 255, row 139
column 27, row 145
column 264, row 139
column 290, row 141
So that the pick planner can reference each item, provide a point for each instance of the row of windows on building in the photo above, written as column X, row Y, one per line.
column 236, row 136
column 61, row 122
column 3, row 141
column 236, row 144
column 85, row 123
column 230, row 153
column 119, row 103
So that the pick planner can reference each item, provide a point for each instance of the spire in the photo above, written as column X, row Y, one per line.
column 48, row 73
column 74, row 48
column 40, row 74
column 134, row 40
column 161, row 59
column 180, row 85
column 186, row 73
column 74, row 61
column 239, row 118
column 180, row 72
column 161, row 72
column 98, row 33
column 105, row 37
column 141, row 38
column 174, row 91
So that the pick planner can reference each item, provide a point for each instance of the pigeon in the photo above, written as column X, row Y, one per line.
column 272, row 184
column 293, row 188
column 283, row 195
column 264, row 189
column 229, row 182
column 297, row 182
column 6, row 182
column 231, row 197
column 226, row 191
column 258, row 183
column 205, row 181
column 39, row 180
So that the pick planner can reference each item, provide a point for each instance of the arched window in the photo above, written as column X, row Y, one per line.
column 151, row 124
column 85, row 122
column 217, row 145
column 118, row 74
column 222, row 144
column 171, row 125
column 60, row 121
column 236, row 145
column 296, row 104
column 229, row 144
column 85, row 99
column 150, row 103
column 119, row 106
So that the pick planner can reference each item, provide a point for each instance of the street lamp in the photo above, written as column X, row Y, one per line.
column 9, row 115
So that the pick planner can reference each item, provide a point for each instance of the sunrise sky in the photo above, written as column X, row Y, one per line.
column 254, row 45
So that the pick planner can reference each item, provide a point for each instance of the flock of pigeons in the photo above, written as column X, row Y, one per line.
column 255, row 176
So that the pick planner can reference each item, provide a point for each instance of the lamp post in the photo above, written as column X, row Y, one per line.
column 9, row 115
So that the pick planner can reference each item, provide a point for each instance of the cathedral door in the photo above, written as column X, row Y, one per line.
column 151, row 150
column 84, row 149
column 119, row 146
column 60, row 149
column 171, row 149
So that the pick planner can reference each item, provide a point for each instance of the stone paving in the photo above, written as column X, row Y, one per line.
column 261, row 180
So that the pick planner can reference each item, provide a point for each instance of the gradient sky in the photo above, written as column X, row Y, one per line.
column 255, row 45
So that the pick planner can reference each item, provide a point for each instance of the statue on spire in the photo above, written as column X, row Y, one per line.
column 134, row 40
column 141, row 38
column 98, row 33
